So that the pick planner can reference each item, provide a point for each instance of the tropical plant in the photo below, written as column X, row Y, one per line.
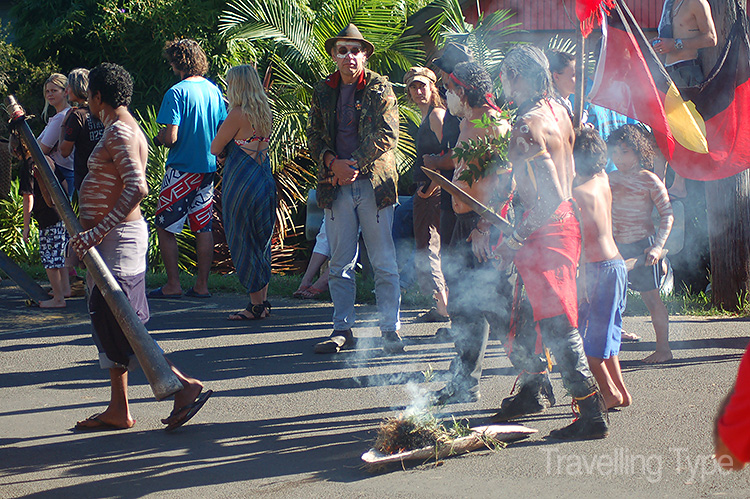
column 11, row 229
column 488, row 39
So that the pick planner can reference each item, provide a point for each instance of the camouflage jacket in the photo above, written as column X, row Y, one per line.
column 378, row 135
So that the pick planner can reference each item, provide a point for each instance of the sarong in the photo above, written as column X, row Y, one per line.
column 248, row 200
column 547, row 263
column 123, row 249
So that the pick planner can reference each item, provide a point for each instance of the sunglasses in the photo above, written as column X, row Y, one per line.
column 342, row 51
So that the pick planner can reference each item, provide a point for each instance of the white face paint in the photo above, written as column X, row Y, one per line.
column 454, row 103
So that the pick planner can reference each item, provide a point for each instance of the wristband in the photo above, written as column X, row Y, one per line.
column 483, row 232
column 328, row 166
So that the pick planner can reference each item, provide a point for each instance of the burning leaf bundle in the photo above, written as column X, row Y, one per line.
column 422, row 437
column 484, row 155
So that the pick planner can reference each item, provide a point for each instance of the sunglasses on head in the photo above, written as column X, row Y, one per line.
column 343, row 51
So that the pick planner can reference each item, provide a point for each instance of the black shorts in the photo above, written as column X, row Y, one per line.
column 642, row 277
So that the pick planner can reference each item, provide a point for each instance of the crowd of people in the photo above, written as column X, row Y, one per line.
column 520, row 285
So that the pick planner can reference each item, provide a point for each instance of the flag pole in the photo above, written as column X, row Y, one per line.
column 580, row 75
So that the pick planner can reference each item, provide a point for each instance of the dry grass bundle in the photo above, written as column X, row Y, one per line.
column 401, row 434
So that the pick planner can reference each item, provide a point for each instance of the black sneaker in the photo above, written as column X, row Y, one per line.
column 339, row 340
column 392, row 342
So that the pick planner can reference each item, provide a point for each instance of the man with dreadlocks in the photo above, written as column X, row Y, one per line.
column 546, row 244
column 468, row 271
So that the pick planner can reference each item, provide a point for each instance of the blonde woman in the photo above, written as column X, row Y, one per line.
column 248, row 194
column 49, row 139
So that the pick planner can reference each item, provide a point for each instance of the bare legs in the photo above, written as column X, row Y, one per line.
column 660, row 320
column 204, row 247
column 441, row 302
column 118, row 411
column 609, row 378
column 60, row 282
column 118, row 414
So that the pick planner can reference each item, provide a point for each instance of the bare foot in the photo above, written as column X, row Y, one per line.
column 612, row 399
column 658, row 357
column 106, row 421
column 626, row 400
column 53, row 303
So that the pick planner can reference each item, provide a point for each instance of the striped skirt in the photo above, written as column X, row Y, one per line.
column 249, row 215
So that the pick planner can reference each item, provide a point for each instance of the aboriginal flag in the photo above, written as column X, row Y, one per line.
column 706, row 137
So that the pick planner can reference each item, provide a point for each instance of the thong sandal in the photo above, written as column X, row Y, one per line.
column 256, row 312
column 300, row 293
column 190, row 411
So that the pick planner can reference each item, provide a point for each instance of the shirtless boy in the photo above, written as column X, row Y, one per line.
column 468, row 270
column 635, row 192
column 606, row 278
column 112, row 221
column 546, row 244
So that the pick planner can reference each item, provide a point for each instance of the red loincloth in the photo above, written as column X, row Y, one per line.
column 734, row 425
column 547, row 264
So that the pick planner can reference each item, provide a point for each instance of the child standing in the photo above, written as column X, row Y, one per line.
column 636, row 190
column 602, row 301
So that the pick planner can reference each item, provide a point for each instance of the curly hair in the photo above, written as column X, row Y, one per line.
column 530, row 63
column 113, row 82
column 187, row 56
column 57, row 79
column 589, row 152
column 245, row 91
column 637, row 138
column 78, row 81
column 476, row 82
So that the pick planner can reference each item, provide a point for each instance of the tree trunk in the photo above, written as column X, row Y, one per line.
column 727, row 200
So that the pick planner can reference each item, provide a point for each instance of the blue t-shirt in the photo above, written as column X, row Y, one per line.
column 197, row 108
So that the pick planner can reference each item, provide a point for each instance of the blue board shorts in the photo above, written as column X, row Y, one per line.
column 600, row 316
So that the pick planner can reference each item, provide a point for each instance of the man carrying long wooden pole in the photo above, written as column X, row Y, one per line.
column 112, row 222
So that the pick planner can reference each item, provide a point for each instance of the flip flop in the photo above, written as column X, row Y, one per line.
column 630, row 337
column 300, row 292
column 192, row 410
column 158, row 294
column 99, row 426
column 194, row 294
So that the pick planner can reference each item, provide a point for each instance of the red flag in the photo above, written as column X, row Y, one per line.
column 589, row 13
column 723, row 101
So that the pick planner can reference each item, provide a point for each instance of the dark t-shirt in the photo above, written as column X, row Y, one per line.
column 347, row 121
column 44, row 214
column 427, row 143
column 84, row 130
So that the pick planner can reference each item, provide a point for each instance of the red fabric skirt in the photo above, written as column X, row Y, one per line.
column 547, row 263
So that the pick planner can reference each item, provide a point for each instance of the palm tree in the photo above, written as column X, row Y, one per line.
column 285, row 38
column 488, row 39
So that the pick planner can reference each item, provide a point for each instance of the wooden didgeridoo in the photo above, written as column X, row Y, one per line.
column 158, row 372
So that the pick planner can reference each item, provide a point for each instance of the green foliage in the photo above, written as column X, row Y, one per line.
column 11, row 229
column 484, row 155
column 131, row 33
column 487, row 39
column 21, row 78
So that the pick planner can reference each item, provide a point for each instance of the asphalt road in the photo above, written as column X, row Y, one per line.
column 284, row 422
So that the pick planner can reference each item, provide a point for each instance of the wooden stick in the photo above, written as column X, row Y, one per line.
column 158, row 372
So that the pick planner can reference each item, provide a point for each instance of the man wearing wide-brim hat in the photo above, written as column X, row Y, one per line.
column 352, row 134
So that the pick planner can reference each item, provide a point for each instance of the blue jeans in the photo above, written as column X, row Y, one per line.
column 355, row 209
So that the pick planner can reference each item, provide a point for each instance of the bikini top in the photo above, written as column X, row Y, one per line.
column 254, row 138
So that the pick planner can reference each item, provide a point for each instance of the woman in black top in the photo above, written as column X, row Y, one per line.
column 421, row 90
